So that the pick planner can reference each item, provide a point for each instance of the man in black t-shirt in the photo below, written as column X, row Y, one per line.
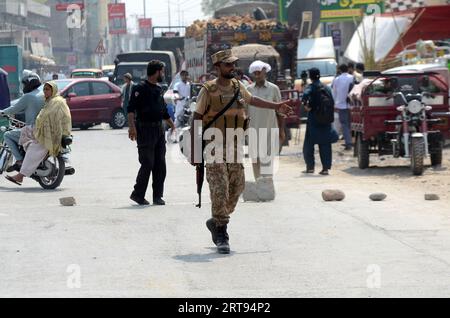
column 146, row 111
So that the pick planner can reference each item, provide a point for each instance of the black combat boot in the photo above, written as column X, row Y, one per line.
column 211, row 225
column 223, row 246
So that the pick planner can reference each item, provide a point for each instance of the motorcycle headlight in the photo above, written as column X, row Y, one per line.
column 414, row 107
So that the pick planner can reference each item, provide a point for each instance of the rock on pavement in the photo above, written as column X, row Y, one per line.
column 333, row 195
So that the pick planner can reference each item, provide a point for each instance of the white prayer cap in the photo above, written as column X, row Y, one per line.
column 258, row 66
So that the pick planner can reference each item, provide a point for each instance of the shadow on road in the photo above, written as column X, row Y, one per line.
column 135, row 207
column 207, row 258
column 399, row 171
column 28, row 190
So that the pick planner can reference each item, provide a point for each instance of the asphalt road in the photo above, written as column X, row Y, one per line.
column 296, row 246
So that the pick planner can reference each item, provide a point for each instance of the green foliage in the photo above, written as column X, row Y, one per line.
column 209, row 6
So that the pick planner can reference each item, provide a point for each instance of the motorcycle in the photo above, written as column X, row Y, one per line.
column 413, row 138
column 50, row 173
column 183, row 120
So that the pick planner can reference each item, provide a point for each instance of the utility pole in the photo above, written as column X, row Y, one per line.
column 119, row 45
column 146, row 34
column 179, row 13
column 168, row 7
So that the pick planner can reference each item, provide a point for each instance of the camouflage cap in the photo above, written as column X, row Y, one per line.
column 225, row 56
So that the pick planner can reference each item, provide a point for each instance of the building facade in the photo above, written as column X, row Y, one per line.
column 26, row 23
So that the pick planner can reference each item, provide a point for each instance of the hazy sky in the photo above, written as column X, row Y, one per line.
column 190, row 10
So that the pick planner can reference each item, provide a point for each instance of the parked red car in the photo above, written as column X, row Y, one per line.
column 93, row 101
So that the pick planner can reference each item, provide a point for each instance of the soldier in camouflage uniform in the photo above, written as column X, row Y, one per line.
column 226, row 179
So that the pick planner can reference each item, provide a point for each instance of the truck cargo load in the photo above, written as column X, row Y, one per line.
column 204, row 38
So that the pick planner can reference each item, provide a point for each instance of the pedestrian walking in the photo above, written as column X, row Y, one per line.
column 266, row 119
column 225, row 177
column 146, row 111
column 342, row 86
column 126, row 90
column 351, row 68
column 359, row 73
column 318, row 96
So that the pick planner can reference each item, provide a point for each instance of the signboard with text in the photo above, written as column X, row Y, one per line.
column 117, row 18
column 347, row 10
column 63, row 5
column 145, row 28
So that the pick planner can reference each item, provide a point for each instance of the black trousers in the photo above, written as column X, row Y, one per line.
column 152, row 157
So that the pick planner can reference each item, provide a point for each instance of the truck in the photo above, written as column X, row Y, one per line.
column 204, row 38
column 169, row 41
column 318, row 53
column 136, row 63
column 11, row 60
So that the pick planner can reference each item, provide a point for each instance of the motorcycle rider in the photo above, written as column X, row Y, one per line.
column 30, row 104
column 44, row 138
column 183, row 90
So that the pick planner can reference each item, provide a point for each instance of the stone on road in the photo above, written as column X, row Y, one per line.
column 333, row 195
column 431, row 197
column 378, row 197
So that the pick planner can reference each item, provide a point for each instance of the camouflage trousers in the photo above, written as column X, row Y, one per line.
column 226, row 184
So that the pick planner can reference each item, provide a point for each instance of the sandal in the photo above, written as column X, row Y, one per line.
column 11, row 179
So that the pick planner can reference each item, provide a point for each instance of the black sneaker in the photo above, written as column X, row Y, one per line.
column 15, row 167
column 140, row 201
column 211, row 225
column 159, row 201
column 324, row 173
column 223, row 245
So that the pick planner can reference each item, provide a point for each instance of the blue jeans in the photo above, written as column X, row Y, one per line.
column 12, row 141
column 344, row 119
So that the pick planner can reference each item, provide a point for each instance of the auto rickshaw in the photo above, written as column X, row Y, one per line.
column 402, row 112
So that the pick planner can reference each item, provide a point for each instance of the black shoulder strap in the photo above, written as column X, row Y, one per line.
column 223, row 111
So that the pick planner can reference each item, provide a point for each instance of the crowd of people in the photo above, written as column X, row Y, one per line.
column 229, row 101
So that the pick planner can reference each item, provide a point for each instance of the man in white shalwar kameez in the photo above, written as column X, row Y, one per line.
column 263, row 119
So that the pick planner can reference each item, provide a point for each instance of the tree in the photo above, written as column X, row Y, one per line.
column 209, row 6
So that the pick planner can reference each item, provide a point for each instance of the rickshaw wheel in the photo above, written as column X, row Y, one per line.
column 363, row 152
column 436, row 158
column 417, row 154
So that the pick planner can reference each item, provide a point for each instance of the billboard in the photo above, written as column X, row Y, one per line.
column 145, row 28
column 63, row 5
column 347, row 10
column 117, row 18
column 304, row 15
